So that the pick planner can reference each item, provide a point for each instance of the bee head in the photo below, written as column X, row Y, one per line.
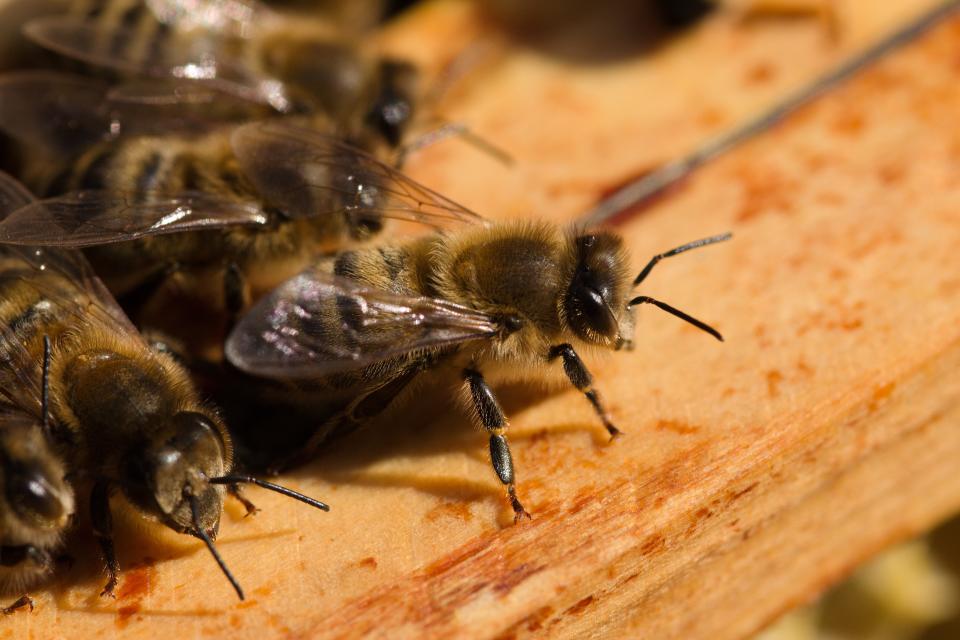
column 174, row 469
column 594, row 306
column 392, row 107
column 35, row 490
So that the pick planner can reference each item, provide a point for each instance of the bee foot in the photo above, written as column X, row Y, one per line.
column 614, row 433
column 109, row 588
column 520, row 515
column 23, row 602
column 518, row 511
column 251, row 508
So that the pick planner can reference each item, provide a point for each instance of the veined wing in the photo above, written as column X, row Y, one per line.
column 65, row 114
column 88, row 218
column 307, row 173
column 62, row 113
column 316, row 324
column 68, row 290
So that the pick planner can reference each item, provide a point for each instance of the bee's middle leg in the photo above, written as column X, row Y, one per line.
column 580, row 378
column 493, row 420
column 102, row 522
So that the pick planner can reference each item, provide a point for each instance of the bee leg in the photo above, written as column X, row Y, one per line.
column 493, row 420
column 235, row 293
column 102, row 522
column 24, row 601
column 580, row 378
column 236, row 492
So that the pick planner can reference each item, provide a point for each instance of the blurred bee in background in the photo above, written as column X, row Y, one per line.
column 36, row 501
column 357, row 329
column 294, row 65
column 128, row 417
column 36, row 504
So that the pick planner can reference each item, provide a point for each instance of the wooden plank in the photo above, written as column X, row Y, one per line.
column 752, row 474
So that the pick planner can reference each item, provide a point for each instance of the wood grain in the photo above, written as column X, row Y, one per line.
column 753, row 473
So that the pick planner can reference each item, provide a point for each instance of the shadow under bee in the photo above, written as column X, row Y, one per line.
column 424, row 427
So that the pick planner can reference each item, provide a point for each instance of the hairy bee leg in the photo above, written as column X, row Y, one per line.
column 102, row 522
column 580, row 378
column 493, row 420
column 24, row 601
column 235, row 491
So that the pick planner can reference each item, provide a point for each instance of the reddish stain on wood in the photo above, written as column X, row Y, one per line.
column 676, row 427
column 579, row 607
column 125, row 613
column 774, row 378
column 133, row 589
column 582, row 500
column 368, row 563
column 765, row 190
column 653, row 544
column 515, row 576
column 760, row 73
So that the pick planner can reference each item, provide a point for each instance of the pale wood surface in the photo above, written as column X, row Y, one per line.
column 752, row 474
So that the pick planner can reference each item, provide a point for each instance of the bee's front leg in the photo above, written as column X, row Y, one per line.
column 102, row 522
column 235, row 491
column 580, row 378
column 492, row 418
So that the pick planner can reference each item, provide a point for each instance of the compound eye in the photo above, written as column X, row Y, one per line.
column 596, row 312
column 34, row 497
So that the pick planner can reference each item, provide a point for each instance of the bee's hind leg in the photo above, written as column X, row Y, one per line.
column 580, row 378
column 23, row 602
column 493, row 420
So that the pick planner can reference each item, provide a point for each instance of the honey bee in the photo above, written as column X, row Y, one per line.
column 501, row 300
column 242, row 48
column 128, row 417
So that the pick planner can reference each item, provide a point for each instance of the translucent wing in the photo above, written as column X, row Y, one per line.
column 59, row 112
column 65, row 114
column 13, row 195
column 316, row 324
column 88, row 218
column 69, row 292
column 308, row 173
column 196, row 55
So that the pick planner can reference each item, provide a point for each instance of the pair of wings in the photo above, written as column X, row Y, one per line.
column 203, row 31
column 78, row 298
column 292, row 167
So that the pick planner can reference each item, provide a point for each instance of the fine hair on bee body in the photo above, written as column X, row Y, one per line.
column 127, row 417
column 486, row 300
